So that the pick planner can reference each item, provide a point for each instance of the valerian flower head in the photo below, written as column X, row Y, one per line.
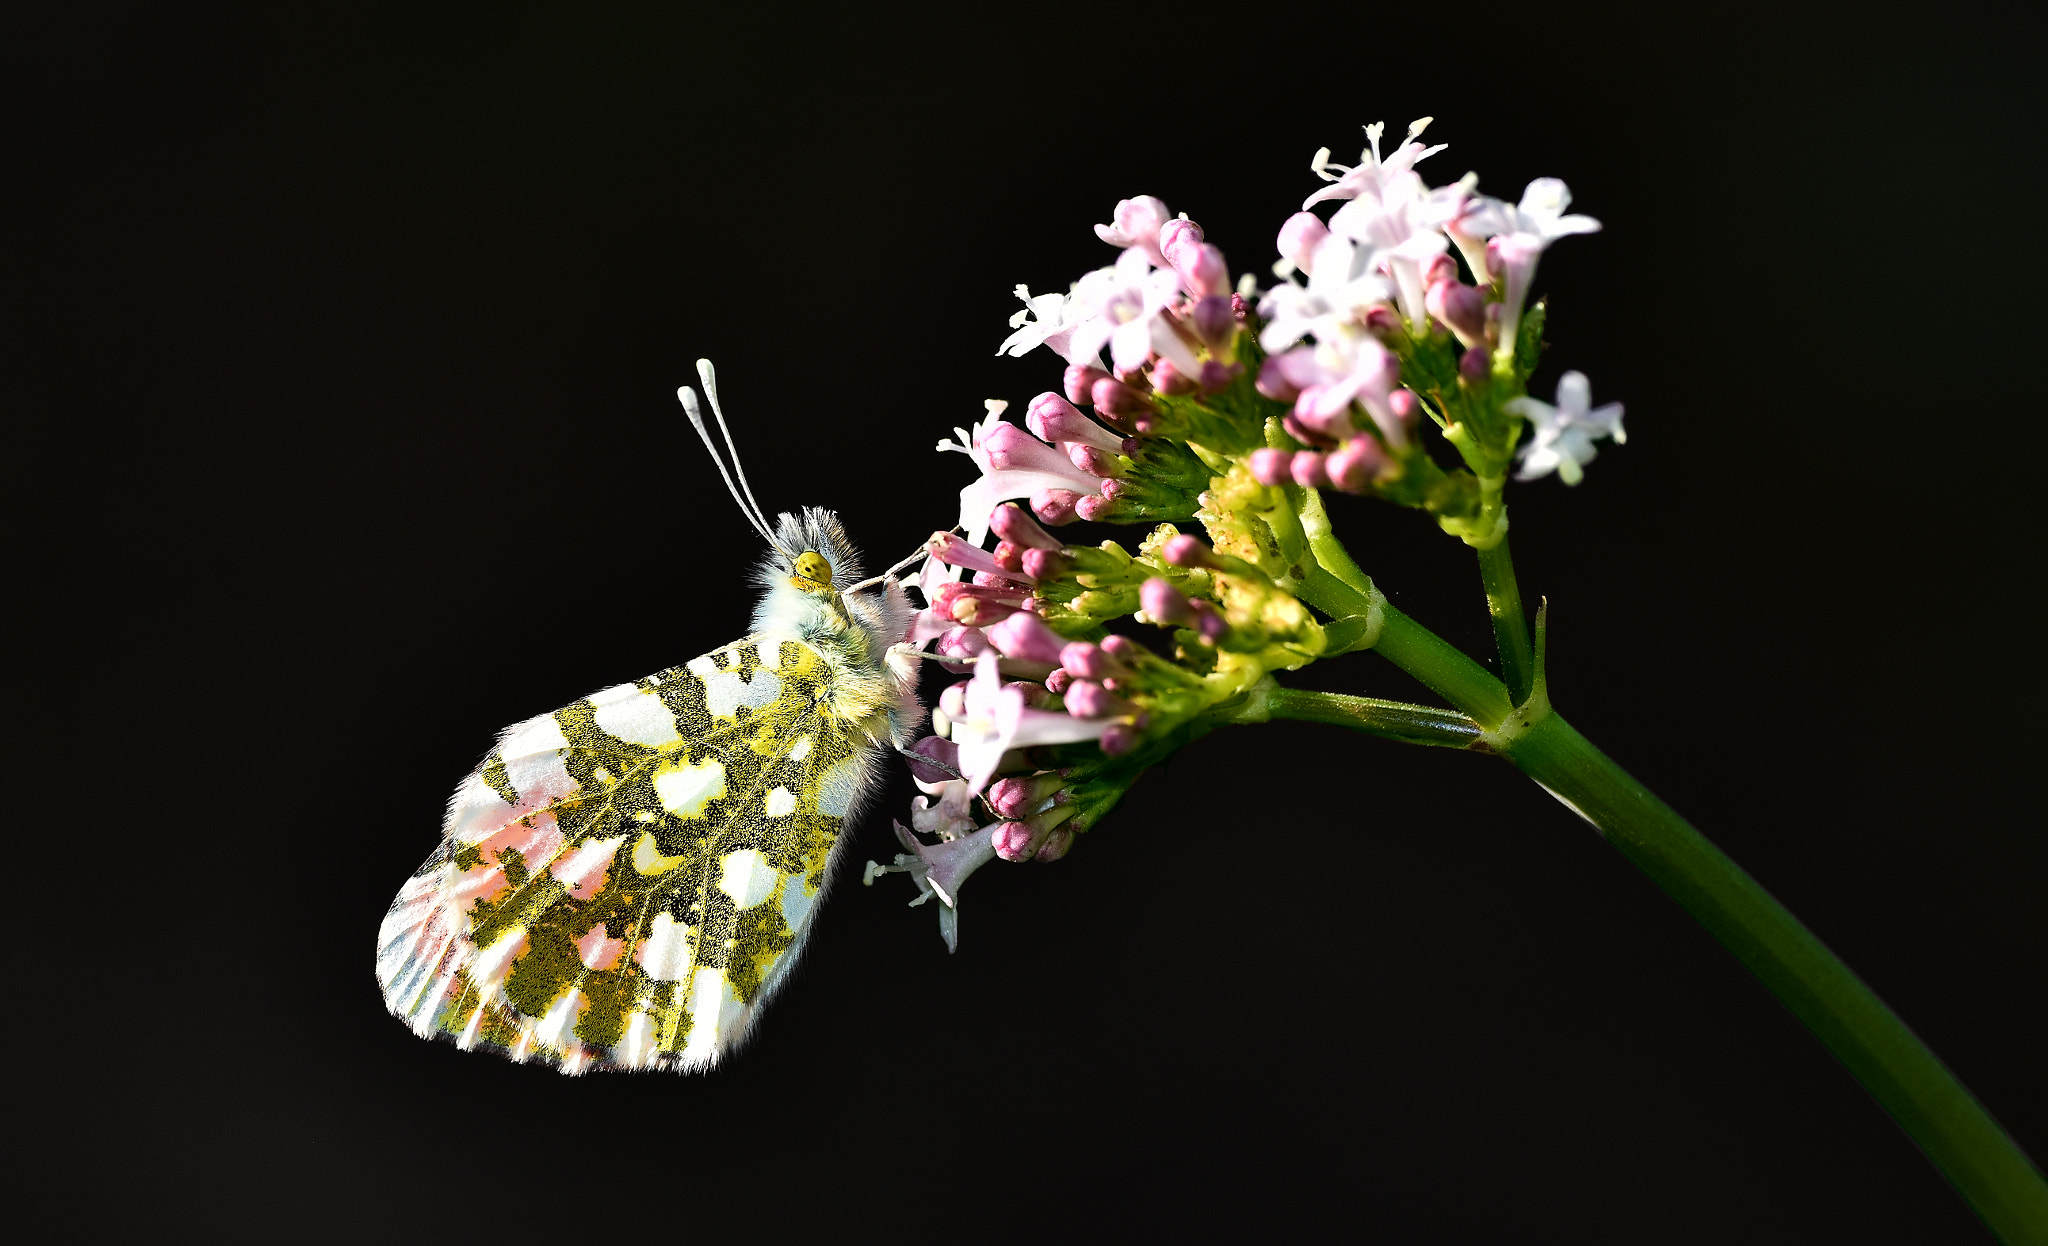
column 1564, row 434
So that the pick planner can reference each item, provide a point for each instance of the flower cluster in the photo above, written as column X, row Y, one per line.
column 1226, row 406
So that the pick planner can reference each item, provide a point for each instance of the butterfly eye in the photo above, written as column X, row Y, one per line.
column 812, row 571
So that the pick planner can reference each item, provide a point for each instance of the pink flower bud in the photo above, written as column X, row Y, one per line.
column 1310, row 431
column 1309, row 470
column 1300, row 235
column 1118, row 739
column 1009, row 522
column 1459, row 308
column 1113, row 397
column 1056, row 683
column 1207, row 621
column 962, row 644
column 1054, row 506
column 1012, row 841
column 1203, row 273
column 1055, row 419
column 1177, row 239
column 1122, row 648
column 1087, row 661
column 1474, row 366
column 1094, row 459
column 1045, row 564
column 1009, row 557
column 1441, row 267
column 1214, row 322
column 1057, row 843
column 1026, row 636
column 944, row 752
column 1217, row 376
column 1087, row 699
column 1404, row 404
column 1354, row 465
column 1273, row 382
column 1163, row 601
column 1079, row 381
column 1170, row 380
column 1272, row 467
column 1186, row 550
column 1093, row 508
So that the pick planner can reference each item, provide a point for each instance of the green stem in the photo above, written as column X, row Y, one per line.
column 1977, row 1156
column 1438, row 664
column 1510, row 629
column 1393, row 720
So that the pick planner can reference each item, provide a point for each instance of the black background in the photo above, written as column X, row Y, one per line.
column 341, row 347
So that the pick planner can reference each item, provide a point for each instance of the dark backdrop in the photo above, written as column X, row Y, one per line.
column 341, row 350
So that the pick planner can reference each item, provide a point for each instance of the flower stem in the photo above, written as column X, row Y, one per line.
column 1965, row 1143
column 1393, row 720
column 1510, row 629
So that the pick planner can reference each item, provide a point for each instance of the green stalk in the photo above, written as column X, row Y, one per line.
column 1979, row 1159
column 1977, row 1156
column 1393, row 720
column 1510, row 629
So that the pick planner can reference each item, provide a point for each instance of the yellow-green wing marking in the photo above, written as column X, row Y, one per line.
column 623, row 883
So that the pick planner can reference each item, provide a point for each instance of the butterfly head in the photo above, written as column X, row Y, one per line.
column 811, row 572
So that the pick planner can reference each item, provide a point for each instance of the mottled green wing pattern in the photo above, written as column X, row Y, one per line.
column 623, row 883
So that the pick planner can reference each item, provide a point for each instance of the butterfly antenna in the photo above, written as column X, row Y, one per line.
column 709, row 376
column 688, row 397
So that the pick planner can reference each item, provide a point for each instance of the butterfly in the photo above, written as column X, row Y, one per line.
column 624, row 883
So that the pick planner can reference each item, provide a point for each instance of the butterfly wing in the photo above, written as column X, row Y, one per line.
column 623, row 883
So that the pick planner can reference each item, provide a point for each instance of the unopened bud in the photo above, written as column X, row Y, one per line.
column 1404, row 404
column 1009, row 557
column 1012, row 841
column 1354, row 465
column 1179, row 238
column 1382, row 321
column 1459, row 308
column 1186, row 550
column 1163, row 601
column 944, row 752
column 1203, row 272
column 1271, row 467
column 1117, row 739
column 1094, row 459
column 1056, row 683
column 1311, row 429
column 1093, row 507
column 962, row 645
column 1474, row 366
column 1217, row 376
column 1079, row 382
column 1026, row 636
column 1086, row 698
column 1215, row 322
column 1122, row 648
column 1171, row 381
column 1054, row 506
column 1058, row 842
column 1113, row 397
column 1441, row 267
column 1308, row 470
column 1009, row 522
column 1300, row 235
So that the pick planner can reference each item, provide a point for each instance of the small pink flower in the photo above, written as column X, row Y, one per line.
column 1136, row 223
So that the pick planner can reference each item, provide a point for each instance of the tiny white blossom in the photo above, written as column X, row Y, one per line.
column 1564, row 434
column 1371, row 174
column 1046, row 320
